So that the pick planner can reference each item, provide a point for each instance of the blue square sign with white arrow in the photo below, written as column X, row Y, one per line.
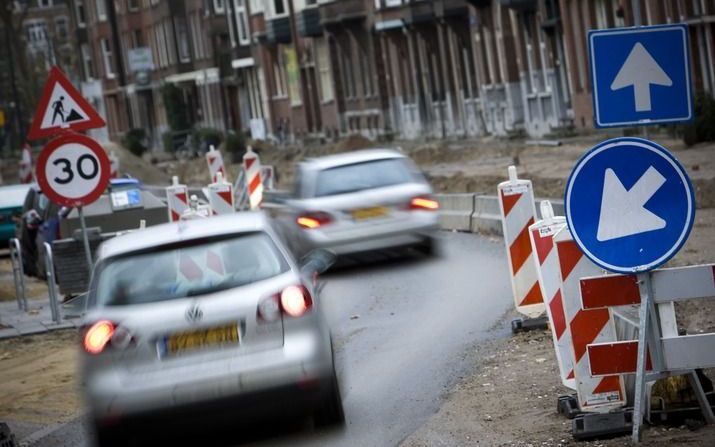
column 629, row 205
column 640, row 75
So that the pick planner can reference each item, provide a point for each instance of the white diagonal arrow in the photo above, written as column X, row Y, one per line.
column 640, row 70
column 623, row 212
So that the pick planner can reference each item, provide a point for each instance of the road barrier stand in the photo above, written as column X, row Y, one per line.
column 177, row 199
column 18, row 273
column 24, row 172
column 601, row 400
column 214, row 159
column 541, row 235
column 196, row 210
column 666, row 353
column 51, row 285
column 221, row 196
column 113, row 165
column 252, row 169
column 516, row 203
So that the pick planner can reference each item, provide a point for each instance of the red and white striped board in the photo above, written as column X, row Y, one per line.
column 618, row 290
column 206, row 267
column 214, row 159
column 177, row 199
column 25, row 167
column 598, row 394
column 252, row 169
column 113, row 165
column 221, row 196
column 516, row 202
column 547, row 261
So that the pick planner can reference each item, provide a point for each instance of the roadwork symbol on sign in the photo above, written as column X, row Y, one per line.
column 640, row 75
column 629, row 205
column 73, row 170
column 62, row 107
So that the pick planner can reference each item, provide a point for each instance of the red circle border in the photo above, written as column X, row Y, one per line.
column 93, row 146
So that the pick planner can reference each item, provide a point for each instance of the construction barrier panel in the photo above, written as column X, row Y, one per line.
column 221, row 196
column 587, row 326
column 252, row 168
column 25, row 168
column 214, row 159
column 547, row 261
column 177, row 199
column 516, row 203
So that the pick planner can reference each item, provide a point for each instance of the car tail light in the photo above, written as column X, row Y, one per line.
column 423, row 203
column 314, row 220
column 295, row 301
column 98, row 336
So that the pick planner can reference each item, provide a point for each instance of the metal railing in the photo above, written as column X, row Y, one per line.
column 51, row 284
column 18, row 273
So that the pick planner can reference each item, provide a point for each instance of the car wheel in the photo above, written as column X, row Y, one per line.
column 331, row 411
column 109, row 437
column 428, row 247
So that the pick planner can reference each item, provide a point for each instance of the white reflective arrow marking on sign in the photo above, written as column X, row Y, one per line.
column 640, row 70
column 622, row 211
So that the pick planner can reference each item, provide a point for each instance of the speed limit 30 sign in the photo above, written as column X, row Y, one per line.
column 73, row 170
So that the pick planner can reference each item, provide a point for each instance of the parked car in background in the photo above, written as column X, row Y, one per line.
column 359, row 202
column 205, row 321
column 12, row 198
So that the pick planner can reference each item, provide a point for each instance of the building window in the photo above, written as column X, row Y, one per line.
column 197, row 36
column 218, row 6
column 87, row 61
column 244, row 37
column 101, row 10
column 107, row 58
column 44, row 3
column 61, row 30
column 132, row 5
column 80, row 13
column 278, row 8
column 279, row 76
column 36, row 32
column 183, row 40
column 256, row 6
column 169, row 42
column 326, row 77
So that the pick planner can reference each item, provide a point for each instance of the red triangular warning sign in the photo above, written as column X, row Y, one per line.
column 62, row 107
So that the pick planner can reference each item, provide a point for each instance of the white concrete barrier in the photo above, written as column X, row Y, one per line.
column 455, row 211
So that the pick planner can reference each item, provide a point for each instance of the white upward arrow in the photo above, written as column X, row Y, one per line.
column 640, row 70
column 622, row 211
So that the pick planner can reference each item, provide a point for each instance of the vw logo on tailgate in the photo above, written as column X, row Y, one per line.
column 194, row 313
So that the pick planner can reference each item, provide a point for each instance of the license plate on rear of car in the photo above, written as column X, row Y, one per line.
column 369, row 213
column 202, row 338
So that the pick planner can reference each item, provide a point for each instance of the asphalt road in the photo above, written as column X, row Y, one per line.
column 404, row 330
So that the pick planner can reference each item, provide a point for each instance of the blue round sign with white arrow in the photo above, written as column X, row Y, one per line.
column 629, row 205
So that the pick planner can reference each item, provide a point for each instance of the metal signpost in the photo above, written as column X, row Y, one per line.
column 630, row 207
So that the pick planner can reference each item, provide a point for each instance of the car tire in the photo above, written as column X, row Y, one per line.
column 109, row 437
column 331, row 411
column 428, row 247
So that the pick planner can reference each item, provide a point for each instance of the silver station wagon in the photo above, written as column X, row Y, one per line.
column 209, row 318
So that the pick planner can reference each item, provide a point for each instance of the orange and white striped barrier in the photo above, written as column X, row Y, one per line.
column 202, row 268
column 214, row 159
column 25, row 168
column 221, row 196
column 542, row 234
column 597, row 394
column 177, row 199
column 516, row 202
column 252, row 168
column 113, row 165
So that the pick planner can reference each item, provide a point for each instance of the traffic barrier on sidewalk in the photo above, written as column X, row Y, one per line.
column 487, row 216
column 51, row 284
column 214, row 159
column 177, row 199
column 455, row 211
column 516, row 203
column 18, row 273
column 221, row 196
column 588, row 326
column 25, row 168
column 114, row 165
column 252, row 169
column 541, row 235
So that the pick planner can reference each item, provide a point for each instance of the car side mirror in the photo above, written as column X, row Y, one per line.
column 317, row 261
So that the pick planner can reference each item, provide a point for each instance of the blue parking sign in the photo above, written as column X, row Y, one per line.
column 629, row 205
column 640, row 75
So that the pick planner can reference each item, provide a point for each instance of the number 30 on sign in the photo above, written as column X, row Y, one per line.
column 73, row 170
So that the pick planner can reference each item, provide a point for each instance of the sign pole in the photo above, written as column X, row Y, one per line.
column 645, row 286
column 85, row 239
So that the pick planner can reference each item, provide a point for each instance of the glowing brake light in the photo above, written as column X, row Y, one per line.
column 295, row 301
column 97, row 336
column 424, row 203
column 311, row 221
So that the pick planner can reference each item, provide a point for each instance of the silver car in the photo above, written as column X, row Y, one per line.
column 209, row 319
column 361, row 201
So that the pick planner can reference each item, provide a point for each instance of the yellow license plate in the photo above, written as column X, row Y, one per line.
column 369, row 213
column 215, row 336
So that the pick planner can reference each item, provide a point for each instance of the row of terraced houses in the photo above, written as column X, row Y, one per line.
column 292, row 70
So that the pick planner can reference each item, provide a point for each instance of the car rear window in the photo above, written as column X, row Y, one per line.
column 13, row 196
column 361, row 176
column 192, row 269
